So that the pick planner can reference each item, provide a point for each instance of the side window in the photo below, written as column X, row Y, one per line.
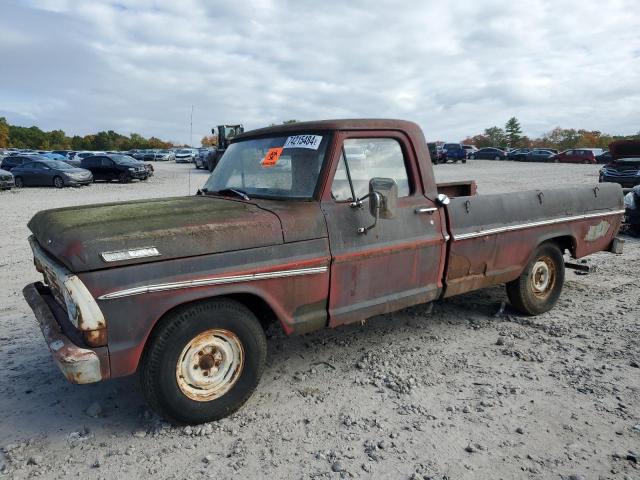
column 106, row 162
column 368, row 158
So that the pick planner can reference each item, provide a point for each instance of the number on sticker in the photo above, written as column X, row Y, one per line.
column 303, row 141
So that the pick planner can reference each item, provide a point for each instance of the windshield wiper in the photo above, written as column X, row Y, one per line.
column 234, row 191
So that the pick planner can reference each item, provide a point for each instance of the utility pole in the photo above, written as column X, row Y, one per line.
column 191, row 129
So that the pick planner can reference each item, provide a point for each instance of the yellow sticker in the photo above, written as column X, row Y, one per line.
column 272, row 156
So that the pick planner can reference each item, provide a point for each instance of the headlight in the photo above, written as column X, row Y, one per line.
column 629, row 201
column 131, row 169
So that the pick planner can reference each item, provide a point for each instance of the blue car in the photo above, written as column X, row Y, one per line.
column 454, row 152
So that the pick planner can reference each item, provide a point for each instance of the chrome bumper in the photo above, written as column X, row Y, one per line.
column 78, row 364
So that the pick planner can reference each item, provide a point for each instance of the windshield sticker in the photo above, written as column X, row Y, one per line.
column 272, row 156
column 311, row 142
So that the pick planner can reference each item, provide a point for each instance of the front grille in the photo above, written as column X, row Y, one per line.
column 620, row 173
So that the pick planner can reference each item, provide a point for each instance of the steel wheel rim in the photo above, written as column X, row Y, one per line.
column 543, row 277
column 210, row 364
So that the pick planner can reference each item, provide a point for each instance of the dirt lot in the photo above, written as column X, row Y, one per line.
column 458, row 390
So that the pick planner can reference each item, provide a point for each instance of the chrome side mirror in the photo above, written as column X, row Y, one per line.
column 442, row 199
column 383, row 199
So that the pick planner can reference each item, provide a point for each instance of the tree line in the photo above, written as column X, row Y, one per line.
column 32, row 137
column 560, row 138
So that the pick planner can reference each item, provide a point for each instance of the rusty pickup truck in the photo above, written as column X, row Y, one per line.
column 309, row 225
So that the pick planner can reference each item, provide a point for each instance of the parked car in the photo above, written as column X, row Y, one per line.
column 201, row 158
column 178, row 289
column 538, row 155
column 82, row 155
column 115, row 167
column 55, row 156
column 604, row 157
column 6, row 180
column 454, row 152
column 632, row 211
column 185, row 155
column 470, row 149
column 574, row 155
column 624, row 167
column 162, row 156
column 44, row 172
column 12, row 161
column 64, row 153
column 489, row 153
column 518, row 154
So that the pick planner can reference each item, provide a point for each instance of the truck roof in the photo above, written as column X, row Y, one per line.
column 343, row 124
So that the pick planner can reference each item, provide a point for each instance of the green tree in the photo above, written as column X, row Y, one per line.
column 513, row 131
column 496, row 136
column 4, row 133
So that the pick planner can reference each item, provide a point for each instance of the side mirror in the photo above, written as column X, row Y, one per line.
column 442, row 199
column 383, row 198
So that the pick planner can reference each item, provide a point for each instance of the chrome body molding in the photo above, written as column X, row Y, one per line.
column 541, row 223
column 206, row 282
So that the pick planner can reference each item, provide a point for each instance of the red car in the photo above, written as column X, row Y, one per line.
column 576, row 155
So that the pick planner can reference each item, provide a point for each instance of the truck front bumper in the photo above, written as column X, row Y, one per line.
column 78, row 364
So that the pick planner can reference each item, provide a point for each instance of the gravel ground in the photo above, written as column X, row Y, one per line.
column 459, row 389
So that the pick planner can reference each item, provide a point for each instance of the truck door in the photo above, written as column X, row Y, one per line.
column 397, row 263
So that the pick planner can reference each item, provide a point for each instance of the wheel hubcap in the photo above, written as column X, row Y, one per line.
column 543, row 277
column 210, row 364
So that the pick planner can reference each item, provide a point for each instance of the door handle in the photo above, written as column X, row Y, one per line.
column 428, row 210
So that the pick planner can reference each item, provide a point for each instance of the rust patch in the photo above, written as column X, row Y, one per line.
column 598, row 231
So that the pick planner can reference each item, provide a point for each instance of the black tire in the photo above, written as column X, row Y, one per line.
column 464, row 160
column 18, row 182
column 58, row 182
column 529, row 294
column 168, row 347
column 472, row 157
column 124, row 177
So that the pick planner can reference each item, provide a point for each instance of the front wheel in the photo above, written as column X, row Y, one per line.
column 58, row 182
column 497, row 157
column 472, row 157
column 538, row 288
column 203, row 362
column 124, row 178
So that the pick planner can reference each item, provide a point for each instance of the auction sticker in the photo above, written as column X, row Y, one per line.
column 311, row 142
column 272, row 156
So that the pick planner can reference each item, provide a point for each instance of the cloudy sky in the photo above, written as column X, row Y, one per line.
column 453, row 67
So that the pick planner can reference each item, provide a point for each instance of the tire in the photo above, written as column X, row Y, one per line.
column 472, row 157
column 124, row 178
column 18, row 182
column 497, row 157
column 464, row 160
column 58, row 182
column 174, row 388
column 555, row 160
column 538, row 288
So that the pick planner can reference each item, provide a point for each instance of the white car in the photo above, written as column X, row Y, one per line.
column 185, row 155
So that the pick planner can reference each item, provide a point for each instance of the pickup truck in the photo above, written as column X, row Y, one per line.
column 292, row 227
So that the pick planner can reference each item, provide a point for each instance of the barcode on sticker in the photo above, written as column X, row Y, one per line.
column 303, row 141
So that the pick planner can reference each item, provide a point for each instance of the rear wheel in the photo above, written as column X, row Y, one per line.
column 18, row 182
column 58, row 182
column 538, row 288
column 497, row 157
column 472, row 157
column 203, row 362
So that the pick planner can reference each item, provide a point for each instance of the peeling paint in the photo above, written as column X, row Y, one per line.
column 597, row 231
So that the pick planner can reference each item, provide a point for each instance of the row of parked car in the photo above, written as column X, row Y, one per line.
column 31, row 170
column 454, row 152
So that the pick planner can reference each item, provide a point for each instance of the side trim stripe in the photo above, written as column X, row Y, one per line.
column 511, row 228
column 205, row 282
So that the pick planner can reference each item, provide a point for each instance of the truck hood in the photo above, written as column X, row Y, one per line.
column 624, row 148
column 176, row 227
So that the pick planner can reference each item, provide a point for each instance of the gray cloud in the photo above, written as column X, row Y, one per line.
column 455, row 68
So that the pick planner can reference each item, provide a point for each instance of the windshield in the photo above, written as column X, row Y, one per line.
column 286, row 166
column 124, row 159
column 58, row 165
